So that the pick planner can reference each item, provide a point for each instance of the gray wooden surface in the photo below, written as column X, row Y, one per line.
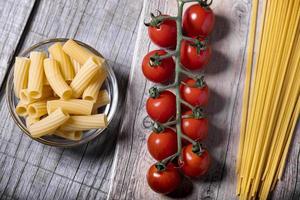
column 29, row 170
column 225, row 77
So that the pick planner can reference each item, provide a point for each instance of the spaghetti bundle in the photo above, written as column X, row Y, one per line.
column 271, row 102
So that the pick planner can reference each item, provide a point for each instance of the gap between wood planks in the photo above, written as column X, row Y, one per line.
column 18, row 46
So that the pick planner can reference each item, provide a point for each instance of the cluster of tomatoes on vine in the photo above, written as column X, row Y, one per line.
column 193, row 161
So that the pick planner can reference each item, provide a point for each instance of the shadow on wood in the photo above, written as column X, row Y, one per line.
column 221, row 30
column 218, row 63
column 216, row 103
column 184, row 190
column 216, row 136
column 215, row 174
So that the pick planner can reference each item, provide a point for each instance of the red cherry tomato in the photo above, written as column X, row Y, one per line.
column 194, row 59
column 163, row 107
column 164, row 34
column 158, row 73
column 162, row 145
column 191, row 93
column 165, row 181
column 192, row 164
column 197, row 129
column 198, row 21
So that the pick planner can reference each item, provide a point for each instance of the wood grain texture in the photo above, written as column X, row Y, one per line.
column 225, row 77
column 30, row 170
column 13, row 19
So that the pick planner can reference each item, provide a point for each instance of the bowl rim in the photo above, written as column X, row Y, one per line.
column 113, row 106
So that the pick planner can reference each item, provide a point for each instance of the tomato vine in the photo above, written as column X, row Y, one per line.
column 200, row 44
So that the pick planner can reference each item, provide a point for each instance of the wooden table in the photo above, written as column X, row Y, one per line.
column 29, row 170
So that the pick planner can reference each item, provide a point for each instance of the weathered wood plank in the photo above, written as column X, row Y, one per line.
column 36, row 171
column 13, row 19
column 225, row 77
column 289, row 186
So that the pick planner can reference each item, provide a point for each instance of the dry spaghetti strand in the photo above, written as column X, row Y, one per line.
column 271, row 98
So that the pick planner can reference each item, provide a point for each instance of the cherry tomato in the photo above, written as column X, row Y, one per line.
column 161, row 72
column 192, row 164
column 194, row 59
column 197, row 129
column 164, row 181
column 164, row 34
column 162, row 145
column 193, row 94
column 198, row 21
column 163, row 107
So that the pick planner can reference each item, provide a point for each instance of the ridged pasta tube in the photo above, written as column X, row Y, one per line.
column 48, row 124
column 24, row 96
column 21, row 71
column 36, row 74
column 84, row 77
column 57, row 82
column 31, row 120
column 64, row 61
column 70, row 135
column 76, row 66
column 83, row 123
column 72, row 106
column 92, row 90
column 21, row 109
column 102, row 100
column 37, row 109
column 79, row 53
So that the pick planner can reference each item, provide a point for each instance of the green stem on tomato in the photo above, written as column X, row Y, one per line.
column 189, row 39
column 187, row 104
column 178, row 70
column 180, row 5
column 168, row 159
column 171, row 123
column 190, row 74
column 168, row 55
column 163, row 88
column 187, row 116
column 165, row 17
column 189, row 139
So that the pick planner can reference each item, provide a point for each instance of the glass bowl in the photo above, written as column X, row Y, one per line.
column 110, row 85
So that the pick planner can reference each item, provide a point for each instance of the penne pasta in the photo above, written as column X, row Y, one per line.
column 72, row 106
column 31, row 120
column 48, row 124
column 24, row 96
column 37, row 109
column 84, row 77
column 51, row 89
column 21, row 109
column 21, row 70
column 76, row 66
column 83, row 123
column 70, row 135
column 102, row 100
column 64, row 61
column 92, row 90
column 79, row 53
column 36, row 74
column 57, row 82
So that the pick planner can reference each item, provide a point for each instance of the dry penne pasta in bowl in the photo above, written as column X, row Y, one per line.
column 62, row 92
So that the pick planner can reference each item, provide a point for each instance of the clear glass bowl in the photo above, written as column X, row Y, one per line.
column 110, row 85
